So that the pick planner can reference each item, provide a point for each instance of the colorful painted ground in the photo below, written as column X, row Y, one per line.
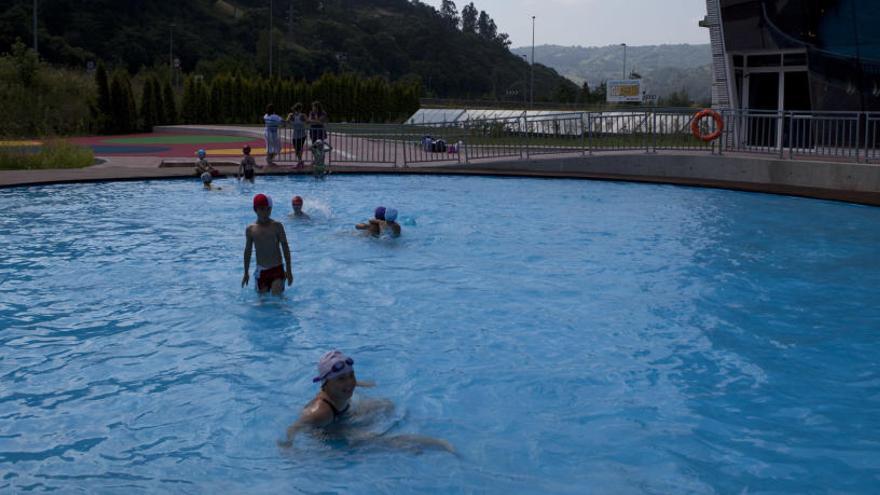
column 170, row 144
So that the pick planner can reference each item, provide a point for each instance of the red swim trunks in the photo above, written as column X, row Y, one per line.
column 268, row 275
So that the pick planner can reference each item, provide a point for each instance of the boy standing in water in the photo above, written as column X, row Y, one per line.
column 246, row 167
column 271, row 242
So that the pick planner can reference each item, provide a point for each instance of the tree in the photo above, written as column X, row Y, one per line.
column 170, row 105
column 26, row 63
column 565, row 93
column 483, row 28
column 148, row 108
column 469, row 18
column 677, row 99
column 123, row 109
column 104, row 110
column 584, row 94
column 449, row 13
column 156, row 91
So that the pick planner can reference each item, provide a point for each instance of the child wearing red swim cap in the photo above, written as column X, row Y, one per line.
column 247, row 165
column 269, row 238
column 297, row 204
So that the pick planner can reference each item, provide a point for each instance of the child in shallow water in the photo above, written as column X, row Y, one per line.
column 297, row 204
column 332, row 406
column 270, row 241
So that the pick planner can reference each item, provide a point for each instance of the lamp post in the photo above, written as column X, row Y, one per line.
column 532, row 74
column 270, row 38
column 624, row 60
column 525, row 79
column 36, row 46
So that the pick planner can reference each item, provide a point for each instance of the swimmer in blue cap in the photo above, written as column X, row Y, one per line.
column 391, row 222
column 332, row 409
column 374, row 225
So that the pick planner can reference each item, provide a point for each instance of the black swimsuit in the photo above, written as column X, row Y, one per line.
column 336, row 412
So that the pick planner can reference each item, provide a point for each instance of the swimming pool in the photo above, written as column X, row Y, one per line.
column 565, row 336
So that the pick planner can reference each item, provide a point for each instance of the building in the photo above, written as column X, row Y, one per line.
column 795, row 55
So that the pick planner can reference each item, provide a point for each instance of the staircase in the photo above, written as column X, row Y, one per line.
column 720, row 82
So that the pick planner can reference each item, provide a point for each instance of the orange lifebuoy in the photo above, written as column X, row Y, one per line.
column 695, row 125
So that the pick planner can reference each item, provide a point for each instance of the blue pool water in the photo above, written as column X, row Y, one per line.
column 565, row 336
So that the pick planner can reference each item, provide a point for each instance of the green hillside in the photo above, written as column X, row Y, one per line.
column 396, row 39
column 664, row 68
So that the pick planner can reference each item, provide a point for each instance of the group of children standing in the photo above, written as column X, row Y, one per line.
column 297, row 121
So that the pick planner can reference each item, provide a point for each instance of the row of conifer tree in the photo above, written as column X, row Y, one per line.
column 237, row 99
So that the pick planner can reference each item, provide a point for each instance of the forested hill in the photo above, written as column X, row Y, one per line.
column 664, row 68
column 396, row 39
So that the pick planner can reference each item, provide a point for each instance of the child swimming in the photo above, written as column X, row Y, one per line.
column 332, row 408
column 297, row 204
column 374, row 225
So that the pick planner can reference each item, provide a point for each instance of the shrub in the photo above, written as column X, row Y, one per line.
column 53, row 154
column 39, row 100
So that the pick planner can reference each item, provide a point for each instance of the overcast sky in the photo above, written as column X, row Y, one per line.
column 595, row 22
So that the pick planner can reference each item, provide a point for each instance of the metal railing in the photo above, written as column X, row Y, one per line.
column 839, row 136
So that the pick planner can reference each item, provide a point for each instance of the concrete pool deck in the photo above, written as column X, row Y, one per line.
column 843, row 181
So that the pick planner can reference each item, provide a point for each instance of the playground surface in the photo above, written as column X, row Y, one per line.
column 171, row 144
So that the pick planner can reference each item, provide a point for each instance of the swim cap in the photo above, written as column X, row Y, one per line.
column 297, row 200
column 333, row 364
column 246, row 149
column 201, row 153
column 380, row 213
column 390, row 215
column 262, row 201
column 206, row 177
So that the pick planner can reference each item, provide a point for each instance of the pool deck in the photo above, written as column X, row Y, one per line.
column 843, row 181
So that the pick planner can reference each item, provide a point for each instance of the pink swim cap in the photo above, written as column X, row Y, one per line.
column 262, row 201
column 333, row 364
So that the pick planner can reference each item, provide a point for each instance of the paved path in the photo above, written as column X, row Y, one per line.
column 361, row 153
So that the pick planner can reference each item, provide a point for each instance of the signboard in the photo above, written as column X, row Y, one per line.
column 624, row 91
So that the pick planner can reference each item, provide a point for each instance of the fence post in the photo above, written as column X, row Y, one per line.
column 404, row 143
column 654, row 130
column 590, row 133
column 528, row 138
column 867, row 133
column 583, row 135
column 858, row 133
column 780, row 129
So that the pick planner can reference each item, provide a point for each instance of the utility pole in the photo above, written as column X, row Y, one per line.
column 36, row 45
column 624, row 60
column 532, row 76
column 270, row 38
column 171, row 48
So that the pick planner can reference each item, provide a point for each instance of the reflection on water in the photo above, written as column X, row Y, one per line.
column 560, row 334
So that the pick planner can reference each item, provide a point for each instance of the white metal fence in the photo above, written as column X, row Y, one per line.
column 842, row 136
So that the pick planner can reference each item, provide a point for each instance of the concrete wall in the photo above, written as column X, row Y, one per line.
column 857, row 182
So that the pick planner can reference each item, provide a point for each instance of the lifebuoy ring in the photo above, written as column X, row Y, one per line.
column 695, row 125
